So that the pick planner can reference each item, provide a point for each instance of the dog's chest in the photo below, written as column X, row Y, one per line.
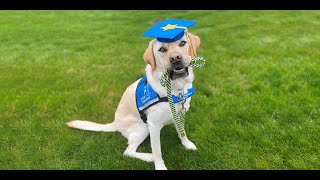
column 163, row 111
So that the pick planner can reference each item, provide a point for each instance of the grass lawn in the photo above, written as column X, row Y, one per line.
column 255, row 106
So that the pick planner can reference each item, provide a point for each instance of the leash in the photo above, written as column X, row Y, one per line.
column 179, row 120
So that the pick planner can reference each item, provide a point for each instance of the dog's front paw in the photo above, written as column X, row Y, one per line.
column 189, row 145
column 160, row 166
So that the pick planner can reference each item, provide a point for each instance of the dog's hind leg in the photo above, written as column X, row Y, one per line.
column 134, row 140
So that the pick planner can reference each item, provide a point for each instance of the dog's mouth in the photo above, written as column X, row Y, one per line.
column 179, row 72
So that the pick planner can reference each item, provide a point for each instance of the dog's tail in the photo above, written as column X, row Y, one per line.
column 91, row 126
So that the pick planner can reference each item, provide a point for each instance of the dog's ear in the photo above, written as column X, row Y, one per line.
column 194, row 43
column 148, row 55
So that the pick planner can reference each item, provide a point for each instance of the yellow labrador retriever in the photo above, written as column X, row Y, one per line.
column 174, row 56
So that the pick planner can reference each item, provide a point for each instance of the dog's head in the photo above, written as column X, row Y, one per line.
column 175, row 56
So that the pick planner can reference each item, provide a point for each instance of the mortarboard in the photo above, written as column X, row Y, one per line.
column 169, row 30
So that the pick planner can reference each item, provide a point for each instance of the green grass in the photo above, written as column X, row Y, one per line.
column 256, row 106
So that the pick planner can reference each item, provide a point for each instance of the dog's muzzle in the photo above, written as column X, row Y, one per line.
column 179, row 72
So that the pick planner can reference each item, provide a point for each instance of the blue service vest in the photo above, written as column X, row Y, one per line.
column 147, row 97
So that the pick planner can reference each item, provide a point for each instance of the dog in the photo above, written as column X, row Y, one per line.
column 159, row 56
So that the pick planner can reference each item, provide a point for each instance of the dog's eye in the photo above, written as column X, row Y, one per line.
column 182, row 43
column 162, row 49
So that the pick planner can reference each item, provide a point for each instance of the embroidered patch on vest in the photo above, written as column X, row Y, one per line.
column 145, row 95
column 186, row 96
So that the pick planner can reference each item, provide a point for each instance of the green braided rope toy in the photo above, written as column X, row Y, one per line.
column 196, row 62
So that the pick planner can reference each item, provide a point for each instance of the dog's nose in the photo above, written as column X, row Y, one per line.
column 175, row 58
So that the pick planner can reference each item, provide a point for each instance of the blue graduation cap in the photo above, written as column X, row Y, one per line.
column 169, row 30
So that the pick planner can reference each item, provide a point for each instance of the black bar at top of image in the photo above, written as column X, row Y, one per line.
column 158, row 4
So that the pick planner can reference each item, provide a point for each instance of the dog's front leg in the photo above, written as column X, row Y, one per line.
column 155, row 129
column 187, row 143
